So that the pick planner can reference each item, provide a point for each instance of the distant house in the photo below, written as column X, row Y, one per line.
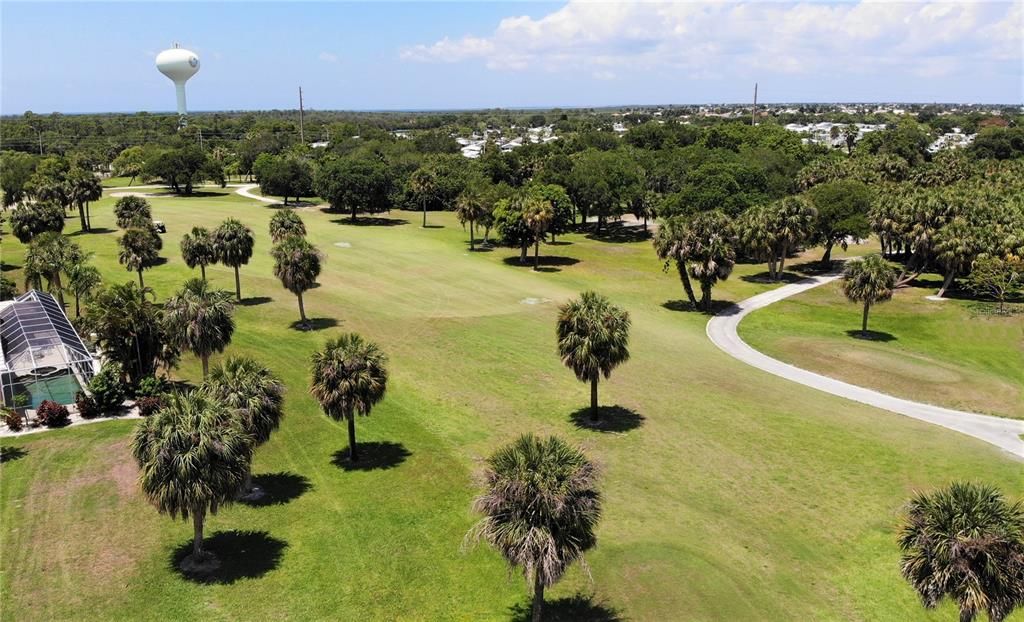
column 41, row 355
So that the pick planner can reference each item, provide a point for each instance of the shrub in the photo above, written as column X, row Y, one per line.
column 151, row 386
column 13, row 420
column 86, row 405
column 148, row 405
column 107, row 389
column 52, row 415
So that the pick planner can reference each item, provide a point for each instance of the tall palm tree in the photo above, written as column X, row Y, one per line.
column 349, row 376
column 965, row 542
column 869, row 281
column 593, row 339
column 538, row 214
column 794, row 219
column 541, row 507
column 193, row 456
column 423, row 183
column 48, row 256
column 83, row 280
column 84, row 188
column 297, row 263
column 199, row 319
column 233, row 244
column 254, row 393
column 712, row 251
column 140, row 248
column 469, row 208
column 197, row 249
column 132, row 211
column 285, row 223
column 673, row 243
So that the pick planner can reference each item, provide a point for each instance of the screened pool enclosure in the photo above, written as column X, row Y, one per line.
column 41, row 355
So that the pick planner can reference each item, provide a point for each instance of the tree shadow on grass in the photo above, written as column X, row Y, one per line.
column 764, row 277
column 255, row 300
column 93, row 231
column 371, row 221
column 576, row 608
column 314, row 323
column 872, row 335
column 616, row 233
column 278, row 488
column 372, row 456
column 159, row 261
column 432, row 227
column 242, row 555
column 609, row 419
column 11, row 453
column 196, row 194
column 8, row 267
column 548, row 263
column 815, row 268
column 718, row 307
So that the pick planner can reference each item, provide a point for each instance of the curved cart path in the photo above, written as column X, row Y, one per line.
column 245, row 192
column 721, row 329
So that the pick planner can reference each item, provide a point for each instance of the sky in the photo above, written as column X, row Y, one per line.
column 99, row 57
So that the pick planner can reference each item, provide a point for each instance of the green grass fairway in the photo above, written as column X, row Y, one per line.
column 950, row 353
column 729, row 494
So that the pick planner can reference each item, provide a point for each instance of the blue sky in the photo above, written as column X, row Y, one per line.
column 91, row 57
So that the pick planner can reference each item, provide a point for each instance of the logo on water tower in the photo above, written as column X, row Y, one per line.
column 193, row 61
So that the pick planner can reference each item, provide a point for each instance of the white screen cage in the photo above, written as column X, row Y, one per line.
column 41, row 355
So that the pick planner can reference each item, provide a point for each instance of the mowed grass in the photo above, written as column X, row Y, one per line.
column 955, row 353
column 729, row 493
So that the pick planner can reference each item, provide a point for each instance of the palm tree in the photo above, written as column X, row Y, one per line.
column 285, row 223
column 713, row 251
column 593, row 339
column 965, row 542
column 470, row 207
column 541, row 507
column 48, row 255
column 233, row 242
column 870, row 281
column 254, row 393
column 199, row 319
column 297, row 264
column 84, row 188
column 83, row 280
column 349, row 377
column 672, row 242
column 793, row 220
column 197, row 249
column 537, row 214
column 132, row 211
column 140, row 248
column 423, row 183
column 193, row 456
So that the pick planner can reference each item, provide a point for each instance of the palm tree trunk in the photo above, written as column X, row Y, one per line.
column 202, row 270
column 60, row 289
column 352, row 437
column 88, row 217
column 81, row 217
column 522, row 252
column 302, row 311
column 206, row 366
column 705, row 301
column 536, row 254
column 238, row 286
column 864, row 321
column 141, row 284
column 771, row 267
column 687, row 286
column 424, row 213
column 946, row 283
column 472, row 242
column 538, row 597
column 198, row 517
column 782, row 262
column 593, row 398
column 77, row 311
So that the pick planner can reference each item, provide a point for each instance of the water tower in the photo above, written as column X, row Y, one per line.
column 179, row 65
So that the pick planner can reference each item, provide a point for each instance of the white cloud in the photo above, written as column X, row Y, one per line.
column 925, row 38
column 327, row 57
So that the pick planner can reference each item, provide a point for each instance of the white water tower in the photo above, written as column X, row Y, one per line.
column 179, row 65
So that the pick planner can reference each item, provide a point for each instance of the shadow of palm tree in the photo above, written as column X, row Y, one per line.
column 242, row 555
column 872, row 335
column 718, row 307
column 576, row 608
column 278, row 488
column 254, row 301
column 371, row 221
column 315, row 323
column 609, row 419
column 764, row 277
column 815, row 267
column 94, row 230
column 617, row 233
column 545, row 260
column 11, row 453
column 372, row 456
column 8, row 267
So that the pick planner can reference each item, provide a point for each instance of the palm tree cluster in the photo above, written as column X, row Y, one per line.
column 141, row 244
column 771, row 232
column 703, row 246
column 965, row 542
column 297, row 263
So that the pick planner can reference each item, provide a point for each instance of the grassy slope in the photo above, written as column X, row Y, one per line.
column 947, row 353
column 740, row 497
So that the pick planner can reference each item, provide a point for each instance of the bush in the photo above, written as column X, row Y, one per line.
column 151, row 386
column 148, row 405
column 86, row 405
column 107, row 389
column 52, row 415
column 13, row 420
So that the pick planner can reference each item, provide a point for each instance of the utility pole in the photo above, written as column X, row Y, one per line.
column 753, row 111
column 302, row 134
column 200, row 139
